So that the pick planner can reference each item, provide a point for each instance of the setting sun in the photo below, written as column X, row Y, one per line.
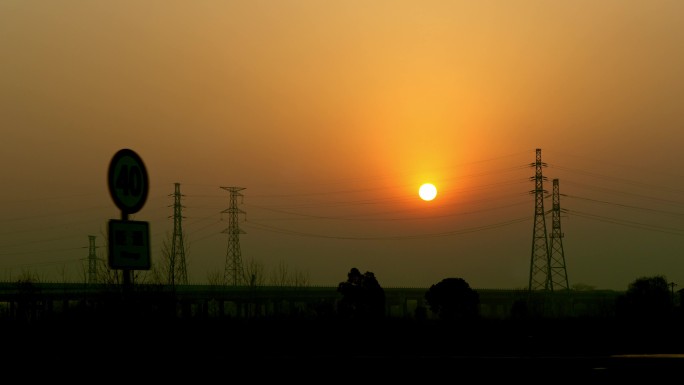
column 427, row 192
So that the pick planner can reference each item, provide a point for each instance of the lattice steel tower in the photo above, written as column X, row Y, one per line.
column 178, row 273
column 233, row 274
column 559, row 273
column 92, row 260
column 540, row 265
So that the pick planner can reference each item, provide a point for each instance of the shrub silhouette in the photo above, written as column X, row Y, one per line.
column 362, row 296
column 647, row 299
column 453, row 299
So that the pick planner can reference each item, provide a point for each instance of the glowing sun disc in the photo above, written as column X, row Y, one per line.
column 427, row 192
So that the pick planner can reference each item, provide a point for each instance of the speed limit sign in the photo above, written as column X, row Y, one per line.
column 128, row 182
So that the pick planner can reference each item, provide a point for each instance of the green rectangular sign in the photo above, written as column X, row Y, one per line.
column 129, row 245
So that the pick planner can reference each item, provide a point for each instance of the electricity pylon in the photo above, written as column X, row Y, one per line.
column 559, row 272
column 540, row 266
column 92, row 260
column 233, row 273
column 178, row 273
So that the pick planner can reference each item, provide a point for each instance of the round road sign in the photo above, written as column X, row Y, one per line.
column 128, row 183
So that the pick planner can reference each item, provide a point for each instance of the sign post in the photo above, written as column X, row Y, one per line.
column 129, row 241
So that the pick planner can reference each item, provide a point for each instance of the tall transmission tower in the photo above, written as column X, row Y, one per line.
column 233, row 273
column 559, row 272
column 92, row 260
column 178, row 273
column 540, row 266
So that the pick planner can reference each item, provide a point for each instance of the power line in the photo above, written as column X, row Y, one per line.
column 450, row 233
column 671, row 213
column 661, row 229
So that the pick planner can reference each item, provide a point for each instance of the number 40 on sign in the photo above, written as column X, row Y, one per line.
column 128, row 182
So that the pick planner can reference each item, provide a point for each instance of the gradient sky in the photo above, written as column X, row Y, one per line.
column 331, row 114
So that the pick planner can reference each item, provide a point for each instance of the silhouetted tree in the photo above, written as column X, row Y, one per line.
column 453, row 299
column 254, row 272
column 646, row 299
column 282, row 275
column 583, row 287
column 362, row 296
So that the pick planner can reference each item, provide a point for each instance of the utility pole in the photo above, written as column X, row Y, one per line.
column 540, row 266
column 177, row 269
column 559, row 272
column 233, row 274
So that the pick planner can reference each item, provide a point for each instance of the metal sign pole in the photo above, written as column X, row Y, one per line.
column 127, row 281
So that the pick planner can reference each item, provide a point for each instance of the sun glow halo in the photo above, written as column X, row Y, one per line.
column 427, row 192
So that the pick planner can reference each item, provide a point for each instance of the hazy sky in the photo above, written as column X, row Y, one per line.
column 331, row 114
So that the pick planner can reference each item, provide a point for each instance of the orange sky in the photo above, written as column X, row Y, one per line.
column 331, row 114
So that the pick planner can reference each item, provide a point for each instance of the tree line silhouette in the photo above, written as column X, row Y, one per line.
column 648, row 317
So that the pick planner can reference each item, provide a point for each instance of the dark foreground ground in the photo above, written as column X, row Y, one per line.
column 332, row 351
